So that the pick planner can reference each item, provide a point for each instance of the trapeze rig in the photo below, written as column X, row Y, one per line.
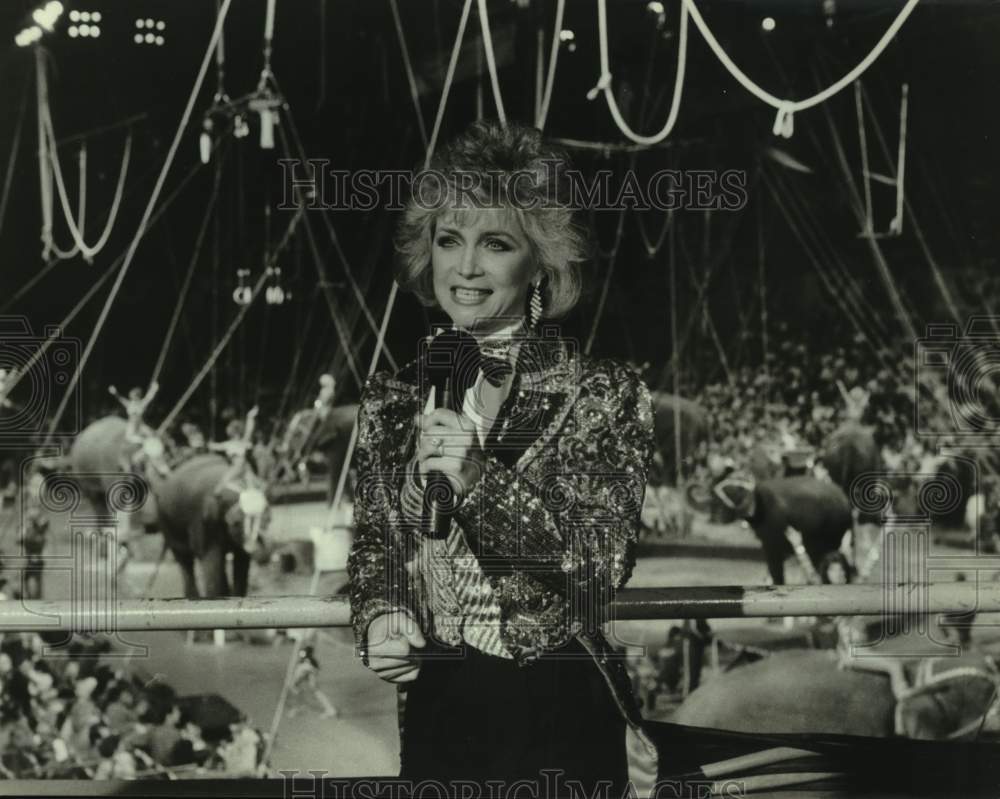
column 265, row 102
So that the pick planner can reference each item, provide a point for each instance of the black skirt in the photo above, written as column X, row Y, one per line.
column 475, row 717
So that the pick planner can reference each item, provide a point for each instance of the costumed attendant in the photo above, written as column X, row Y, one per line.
column 304, row 680
column 495, row 631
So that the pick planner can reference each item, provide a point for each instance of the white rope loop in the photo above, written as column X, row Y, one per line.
column 604, row 82
column 783, row 125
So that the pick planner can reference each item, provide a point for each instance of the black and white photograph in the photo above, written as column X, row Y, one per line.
column 499, row 399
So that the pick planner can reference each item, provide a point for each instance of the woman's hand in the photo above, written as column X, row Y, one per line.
column 391, row 639
column 449, row 444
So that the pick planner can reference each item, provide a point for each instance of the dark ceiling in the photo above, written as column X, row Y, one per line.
column 340, row 68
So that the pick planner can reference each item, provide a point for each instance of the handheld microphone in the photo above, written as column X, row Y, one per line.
column 452, row 364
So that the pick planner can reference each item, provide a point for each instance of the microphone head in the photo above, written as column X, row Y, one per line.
column 453, row 355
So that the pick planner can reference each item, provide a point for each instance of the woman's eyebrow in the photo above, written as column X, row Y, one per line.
column 503, row 233
column 451, row 230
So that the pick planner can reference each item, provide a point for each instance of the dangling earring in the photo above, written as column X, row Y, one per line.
column 535, row 305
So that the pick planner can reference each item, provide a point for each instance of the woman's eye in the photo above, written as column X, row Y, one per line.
column 445, row 241
column 497, row 244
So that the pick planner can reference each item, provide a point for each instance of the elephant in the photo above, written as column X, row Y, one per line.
column 330, row 434
column 811, row 691
column 849, row 453
column 817, row 509
column 694, row 430
column 100, row 455
column 203, row 521
column 795, row 691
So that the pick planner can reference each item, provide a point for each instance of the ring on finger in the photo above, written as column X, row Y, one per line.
column 438, row 444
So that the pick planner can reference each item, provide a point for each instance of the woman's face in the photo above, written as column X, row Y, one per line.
column 482, row 268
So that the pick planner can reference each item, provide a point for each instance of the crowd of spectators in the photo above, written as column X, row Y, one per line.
column 802, row 392
column 69, row 713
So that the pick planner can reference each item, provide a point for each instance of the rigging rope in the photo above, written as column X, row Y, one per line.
column 653, row 249
column 604, row 82
column 869, row 224
column 332, row 233
column 491, row 64
column 410, row 78
column 8, row 179
column 76, row 226
column 784, row 121
column 44, row 164
column 607, row 278
column 903, row 201
column 130, row 253
column 543, row 111
column 182, row 296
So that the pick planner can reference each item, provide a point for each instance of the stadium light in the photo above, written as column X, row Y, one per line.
column 45, row 19
column 150, row 25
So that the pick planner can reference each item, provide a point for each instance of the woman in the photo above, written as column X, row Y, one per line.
column 495, row 630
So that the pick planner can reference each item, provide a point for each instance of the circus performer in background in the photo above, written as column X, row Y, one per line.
column 236, row 449
column 324, row 401
column 135, row 406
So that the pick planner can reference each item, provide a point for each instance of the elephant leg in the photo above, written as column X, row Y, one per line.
column 186, row 563
column 213, row 567
column 241, row 573
column 775, row 555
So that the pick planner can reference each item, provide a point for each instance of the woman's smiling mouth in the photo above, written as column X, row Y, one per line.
column 464, row 296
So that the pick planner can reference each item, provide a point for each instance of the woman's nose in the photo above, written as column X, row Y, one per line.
column 468, row 264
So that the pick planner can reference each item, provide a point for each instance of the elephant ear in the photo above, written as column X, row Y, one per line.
column 209, row 514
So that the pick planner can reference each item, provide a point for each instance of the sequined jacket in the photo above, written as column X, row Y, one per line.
column 553, row 520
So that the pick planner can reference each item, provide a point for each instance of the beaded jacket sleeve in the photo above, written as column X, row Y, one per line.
column 376, row 565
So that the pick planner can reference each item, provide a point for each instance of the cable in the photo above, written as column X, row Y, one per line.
column 410, row 79
column 869, row 224
column 604, row 82
column 607, row 278
column 543, row 111
column 13, row 151
column 448, row 78
column 182, row 296
column 332, row 233
column 130, row 254
column 783, row 121
column 653, row 249
column 491, row 64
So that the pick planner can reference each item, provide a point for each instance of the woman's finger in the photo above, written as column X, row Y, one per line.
column 393, row 646
column 408, row 675
column 442, row 416
column 400, row 674
column 388, row 664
